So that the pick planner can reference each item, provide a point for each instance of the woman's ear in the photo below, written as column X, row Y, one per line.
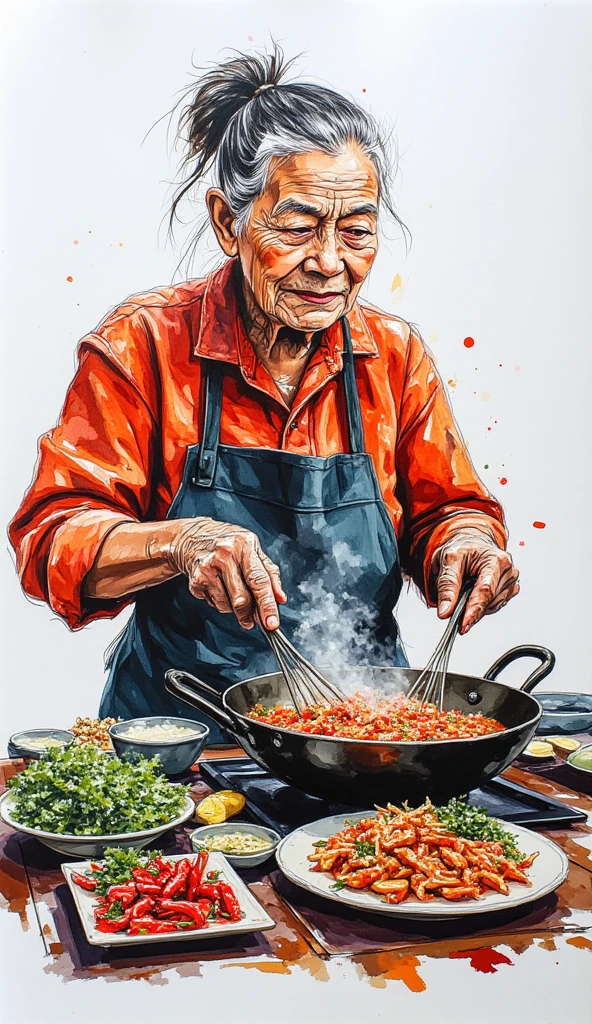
column 222, row 220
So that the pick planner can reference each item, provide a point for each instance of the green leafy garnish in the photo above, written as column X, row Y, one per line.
column 337, row 885
column 321, row 842
column 475, row 823
column 81, row 791
column 118, row 867
column 365, row 849
column 115, row 910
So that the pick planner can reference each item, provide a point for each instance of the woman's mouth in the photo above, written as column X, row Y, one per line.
column 318, row 298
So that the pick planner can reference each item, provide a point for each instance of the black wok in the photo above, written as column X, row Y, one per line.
column 363, row 772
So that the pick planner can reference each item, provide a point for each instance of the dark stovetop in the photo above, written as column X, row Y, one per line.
column 285, row 808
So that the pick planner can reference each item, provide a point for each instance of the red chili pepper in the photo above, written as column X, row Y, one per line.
column 164, row 866
column 96, row 867
column 141, row 907
column 205, row 906
column 197, row 874
column 126, row 892
column 84, row 882
column 150, row 890
column 177, row 884
column 151, row 926
column 118, row 924
column 211, row 892
column 184, row 907
column 141, row 875
column 229, row 901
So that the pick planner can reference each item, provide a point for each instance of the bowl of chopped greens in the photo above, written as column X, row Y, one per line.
column 79, row 801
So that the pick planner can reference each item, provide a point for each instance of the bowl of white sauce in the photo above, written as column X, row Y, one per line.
column 34, row 743
column 177, row 742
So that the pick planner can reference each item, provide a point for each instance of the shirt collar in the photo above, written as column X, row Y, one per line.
column 220, row 333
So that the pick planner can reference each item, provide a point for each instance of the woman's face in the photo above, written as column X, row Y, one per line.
column 311, row 237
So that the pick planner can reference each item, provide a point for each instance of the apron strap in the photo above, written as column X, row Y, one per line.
column 208, row 449
column 352, row 398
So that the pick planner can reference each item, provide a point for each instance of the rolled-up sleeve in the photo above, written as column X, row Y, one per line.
column 93, row 472
column 438, row 487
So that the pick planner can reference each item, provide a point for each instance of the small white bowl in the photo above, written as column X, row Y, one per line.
column 238, row 860
column 92, row 847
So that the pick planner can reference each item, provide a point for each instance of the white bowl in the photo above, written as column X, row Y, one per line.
column 92, row 847
column 238, row 860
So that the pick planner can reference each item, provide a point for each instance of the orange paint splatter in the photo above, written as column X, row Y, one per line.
column 405, row 970
column 121, row 245
column 538, row 525
column 483, row 960
column 520, row 543
column 580, row 941
column 70, row 279
column 469, row 342
column 503, row 480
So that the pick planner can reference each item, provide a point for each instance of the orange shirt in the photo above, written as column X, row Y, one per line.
column 135, row 405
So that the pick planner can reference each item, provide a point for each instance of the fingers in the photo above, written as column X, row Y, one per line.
column 449, row 582
column 240, row 597
column 260, row 583
column 274, row 575
column 482, row 594
column 496, row 584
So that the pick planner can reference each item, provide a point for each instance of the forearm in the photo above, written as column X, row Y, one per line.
column 134, row 556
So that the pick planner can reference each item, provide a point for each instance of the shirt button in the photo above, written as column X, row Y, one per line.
column 294, row 425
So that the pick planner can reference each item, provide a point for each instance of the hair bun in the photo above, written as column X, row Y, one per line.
column 221, row 93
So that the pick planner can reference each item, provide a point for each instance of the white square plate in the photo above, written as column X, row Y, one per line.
column 254, row 919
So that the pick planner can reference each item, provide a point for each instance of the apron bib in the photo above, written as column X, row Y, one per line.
column 323, row 521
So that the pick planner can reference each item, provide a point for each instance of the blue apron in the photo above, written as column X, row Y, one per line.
column 319, row 519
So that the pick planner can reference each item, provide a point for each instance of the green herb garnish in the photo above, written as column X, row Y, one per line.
column 81, row 791
column 365, row 849
column 475, row 823
column 115, row 910
column 321, row 842
column 118, row 867
column 337, row 885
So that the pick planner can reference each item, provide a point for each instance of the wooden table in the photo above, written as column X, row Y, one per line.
column 533, row 964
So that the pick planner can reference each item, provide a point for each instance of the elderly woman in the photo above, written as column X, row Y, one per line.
column 259, row 425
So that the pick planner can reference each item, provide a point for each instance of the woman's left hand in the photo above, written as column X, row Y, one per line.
column 469, row 553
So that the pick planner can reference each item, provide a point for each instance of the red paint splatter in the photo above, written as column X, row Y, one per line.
column 363, row 90
column 483, row 960
column 489, row 428
column 520, row 543
column 500, row 364
column 469, row 342
column 69, row 279
column 538, row 525
column 75, row 242
column 250, row 38
column 503, row 480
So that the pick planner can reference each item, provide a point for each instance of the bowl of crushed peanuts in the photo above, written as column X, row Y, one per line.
column 243, row 844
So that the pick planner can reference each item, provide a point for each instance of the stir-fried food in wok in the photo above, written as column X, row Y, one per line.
column 403, row 853
column 375, row 717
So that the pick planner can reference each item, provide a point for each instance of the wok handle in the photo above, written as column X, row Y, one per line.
column 184, row 686
column 545, row 656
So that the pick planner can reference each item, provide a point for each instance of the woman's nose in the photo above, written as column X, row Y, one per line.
column 325, row 258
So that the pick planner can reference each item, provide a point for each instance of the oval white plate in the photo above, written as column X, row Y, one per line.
column 548, row 871
column 91, row 846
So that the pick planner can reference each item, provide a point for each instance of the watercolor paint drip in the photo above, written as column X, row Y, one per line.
column 485, row 960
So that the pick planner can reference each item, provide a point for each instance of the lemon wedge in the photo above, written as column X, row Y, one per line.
column 233, row 802
column 539, row 749
column 564, row 744
column 211, row 810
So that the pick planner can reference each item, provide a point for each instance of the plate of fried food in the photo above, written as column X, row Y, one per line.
column 425, row 862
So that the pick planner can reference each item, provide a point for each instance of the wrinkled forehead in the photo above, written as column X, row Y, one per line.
column 321, row 181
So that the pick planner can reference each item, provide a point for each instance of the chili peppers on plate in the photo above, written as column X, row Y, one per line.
column 162, row 897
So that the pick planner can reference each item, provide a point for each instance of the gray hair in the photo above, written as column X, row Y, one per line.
column 241, row 116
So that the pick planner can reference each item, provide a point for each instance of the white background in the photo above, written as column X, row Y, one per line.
column 491, row 110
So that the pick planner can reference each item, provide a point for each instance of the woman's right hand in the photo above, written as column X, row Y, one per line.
column 227, row 567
